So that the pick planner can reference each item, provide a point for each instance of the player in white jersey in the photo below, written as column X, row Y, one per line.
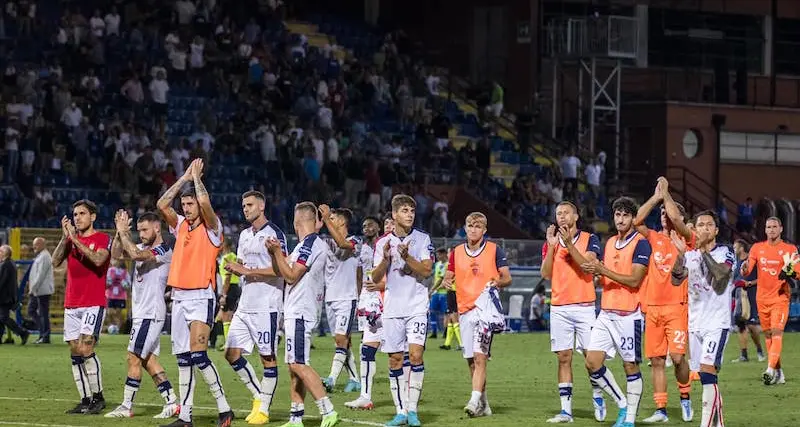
column 152, row 258
column 708, row 269
column 304, row 272
column 341, row 293
column 405, row 258
column 255, row 321
column 369, row 309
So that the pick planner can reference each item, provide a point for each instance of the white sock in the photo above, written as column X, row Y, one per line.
column 406, row 367
column 597, row 392
column 398, row 385
column 352, row 370
column 167, row 392
column 605, row 379
column 94, row 373
column 368, row 367
column 248, row 375
column 186, row 383
column 79, row 375
column 634, row 394
column 297, row 412
column 211, row 376
column 485, row 400
column 565, row 392
column 325, row 406
column 475, row 396
column 339, row 359
column 712, row 405
column 131, row 388
column 415, row 386
column 268, row 386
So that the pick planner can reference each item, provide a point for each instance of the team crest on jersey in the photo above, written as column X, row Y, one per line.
column 91, row 246
column 475, row 268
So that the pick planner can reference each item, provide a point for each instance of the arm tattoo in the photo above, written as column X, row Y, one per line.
column 166, row 199
column 60, row 253
column 98, row 257
column 679, row 271
column 200, row 189
column 116, row 247
column 720, row 273
column 132, row 250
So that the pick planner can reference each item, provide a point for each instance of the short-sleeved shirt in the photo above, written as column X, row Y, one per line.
column 406, row 295
column 267, row 295
column 304, row 298
column 767, row 259
column 707, row 309
column 150, row 283
column 224, row 274
column 341, row 270
column 86, row 282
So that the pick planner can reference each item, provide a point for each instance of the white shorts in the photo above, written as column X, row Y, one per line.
column 146, row 337
column 571, row 327
column 298, row 340
column 260, row 329
column 613, row 333
column 473, row 340
column 83, row 321
column 707, row 347
column 340, row 315
column 184, row 312
column 371, row 333
column 399, row 332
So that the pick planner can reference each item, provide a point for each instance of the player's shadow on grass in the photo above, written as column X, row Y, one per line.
column 583, row 414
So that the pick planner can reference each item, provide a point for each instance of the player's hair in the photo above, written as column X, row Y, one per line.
column 743, row 243
column 308, row 208
column 402, row 200
column 345, row 213
column 624, row 205
column 441, row 251
column 189, row 192
column 774, row 218
column 568, row 203
column 477, row 216
column 387, row 217
column 253, row 193
column 149, row 217
column 708, row 212
column 88, row 204
column 372, row 218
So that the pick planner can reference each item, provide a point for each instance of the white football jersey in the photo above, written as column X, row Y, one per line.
column 365, row 256
column 341, row 270
column 707, row 309
column 260, row 296
column 303, row 300
column 150, row 283
column 405, row 295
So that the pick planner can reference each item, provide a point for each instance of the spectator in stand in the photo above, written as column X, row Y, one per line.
column 593, row 172
column 40, row 288
column 570, row 164
column 158, row 93
column 8, row 295
column 373, row 189
column 496, row 100
column 746, row 217
column 536, row 320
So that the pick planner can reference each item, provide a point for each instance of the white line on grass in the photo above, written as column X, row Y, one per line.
column 14, row 423
column 347, row 420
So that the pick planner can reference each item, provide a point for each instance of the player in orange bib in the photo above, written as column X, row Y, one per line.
column 572, row 302
column 476, row 265
column 618, row 328
column 667, row 316
column 773, row 292
column 193, row 278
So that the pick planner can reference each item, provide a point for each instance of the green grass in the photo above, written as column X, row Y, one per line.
column 36, row 388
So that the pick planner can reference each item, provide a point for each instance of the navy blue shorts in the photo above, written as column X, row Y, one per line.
column 117, row 303
column 438, row 302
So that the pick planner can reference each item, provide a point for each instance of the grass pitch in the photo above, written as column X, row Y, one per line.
column 36, row 388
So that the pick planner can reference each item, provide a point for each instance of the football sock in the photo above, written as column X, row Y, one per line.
column 367, row 370
column 605, row 379
column 565, row 392
column 415, row 386
column 398, row 385
column 712, row 403
column 131, row 388
column 248, row 376
column 268, row 386
column 211, row 376
column 339, row 359
column 634, row 395
column 79, row 375
column 352, row 370
column 186, row 384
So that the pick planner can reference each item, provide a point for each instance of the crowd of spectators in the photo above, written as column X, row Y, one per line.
column 94, row 108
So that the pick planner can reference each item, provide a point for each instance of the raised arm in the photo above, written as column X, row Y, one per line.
column 64, row 245
column 116, row 248
column 97, row 256
column 646, row 208
column 338, row 236
column 679, row 270
column 164, row 204
column 203, row 199
column 674, row 213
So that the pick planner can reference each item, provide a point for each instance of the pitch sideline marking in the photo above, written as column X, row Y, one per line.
column 9, row 423
column 347, row 420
